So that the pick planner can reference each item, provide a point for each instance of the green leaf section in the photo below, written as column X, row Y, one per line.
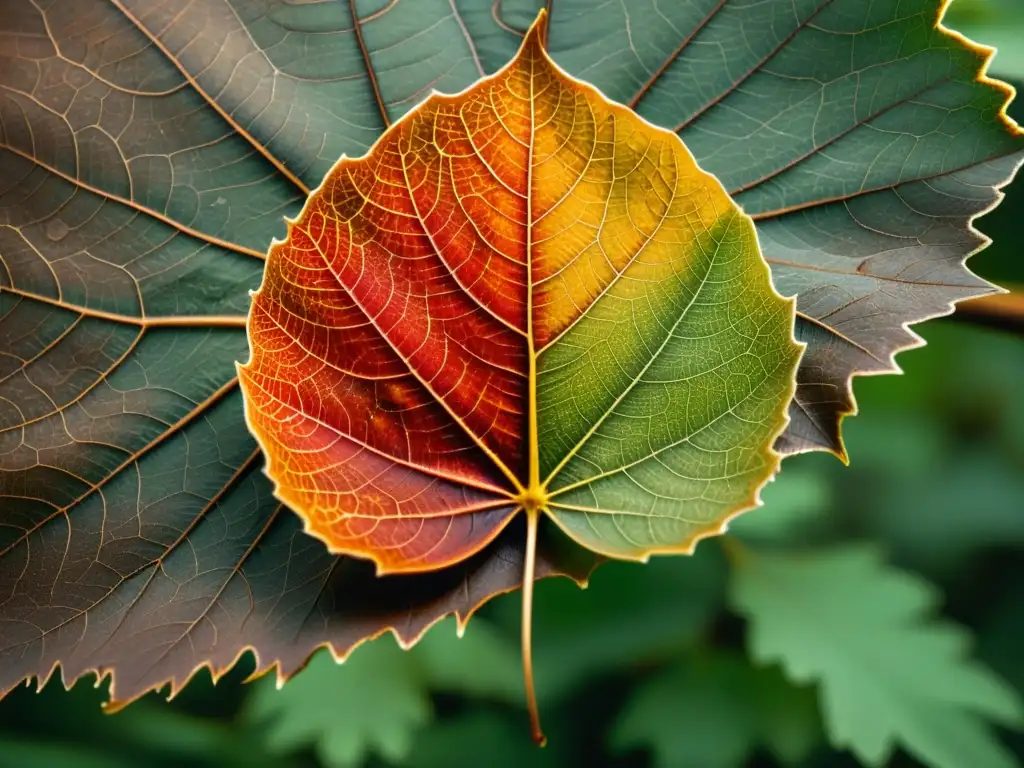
column 888, row 674
column 658, row 408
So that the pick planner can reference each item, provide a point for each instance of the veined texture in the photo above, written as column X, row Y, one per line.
column 523, row 296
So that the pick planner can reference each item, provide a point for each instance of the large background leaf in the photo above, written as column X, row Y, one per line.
column 150, row 150
column 855, row 135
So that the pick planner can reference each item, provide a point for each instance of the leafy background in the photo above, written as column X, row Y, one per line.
column 865, row 607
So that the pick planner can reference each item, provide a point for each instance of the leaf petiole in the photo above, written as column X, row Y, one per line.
column 529, row 565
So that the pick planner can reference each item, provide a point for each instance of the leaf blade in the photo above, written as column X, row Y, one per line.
column 483, row 252
column 78, row 244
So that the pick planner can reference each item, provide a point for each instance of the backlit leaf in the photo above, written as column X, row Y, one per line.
column 148, row 152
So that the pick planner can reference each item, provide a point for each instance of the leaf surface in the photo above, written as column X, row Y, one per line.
column 888, row 675
column 148, row 152
column 523, row 297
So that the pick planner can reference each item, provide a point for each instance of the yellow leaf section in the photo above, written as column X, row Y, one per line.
column 610, row 192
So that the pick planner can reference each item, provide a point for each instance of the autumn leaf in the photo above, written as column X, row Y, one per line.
column 522, row 299
column 148, row 152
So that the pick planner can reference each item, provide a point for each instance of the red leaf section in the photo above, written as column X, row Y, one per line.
column 388, row 381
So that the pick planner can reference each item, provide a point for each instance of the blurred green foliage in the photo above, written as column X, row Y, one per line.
column 996, row 23
column 813, row 636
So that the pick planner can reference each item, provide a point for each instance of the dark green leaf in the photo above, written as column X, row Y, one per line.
column 149, row 151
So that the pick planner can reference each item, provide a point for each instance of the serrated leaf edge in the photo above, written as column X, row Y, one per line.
column 985, row 54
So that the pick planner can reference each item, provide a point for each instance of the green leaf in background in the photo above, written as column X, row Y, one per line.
column 378, row 700
column 149, row 152
column 792, row 501
column 714, row 711
column 888, row 675
column 346, row 712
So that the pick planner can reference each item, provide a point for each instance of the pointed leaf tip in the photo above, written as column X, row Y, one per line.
column 536, row 39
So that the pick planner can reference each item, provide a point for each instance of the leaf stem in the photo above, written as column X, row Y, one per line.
column 1003, row 310
column 529, row 566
